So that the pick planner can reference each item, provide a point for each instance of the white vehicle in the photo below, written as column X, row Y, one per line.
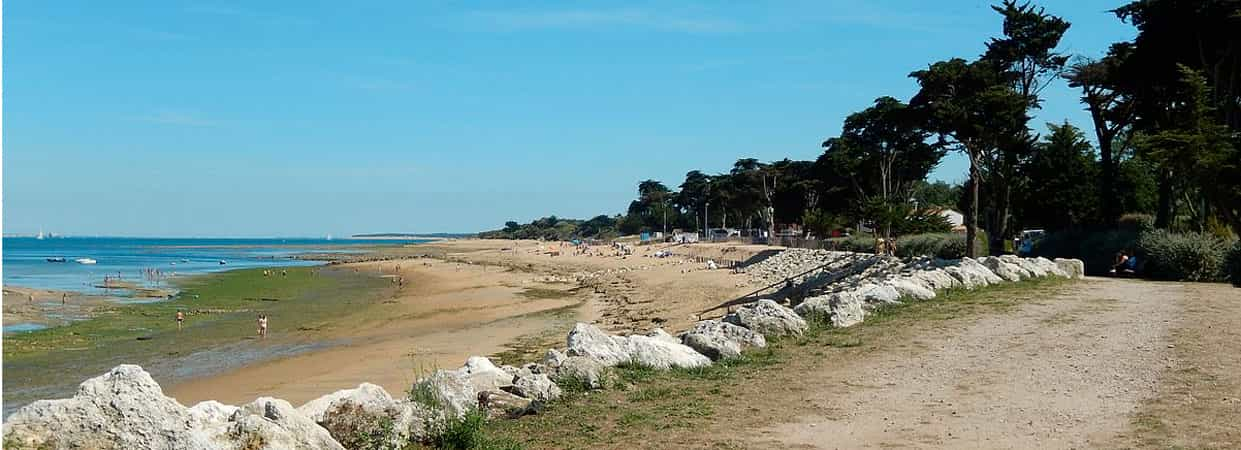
column 85, row 261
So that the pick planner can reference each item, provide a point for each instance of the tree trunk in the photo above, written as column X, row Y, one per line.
column 971, row 219
column 1163, row 212
column 1107, row 197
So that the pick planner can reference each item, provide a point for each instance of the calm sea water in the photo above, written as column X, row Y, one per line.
column 25, row 258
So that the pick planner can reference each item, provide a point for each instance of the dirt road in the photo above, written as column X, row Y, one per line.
column 1109, row 363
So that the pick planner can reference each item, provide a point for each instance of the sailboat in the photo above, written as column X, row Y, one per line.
column 40, row 235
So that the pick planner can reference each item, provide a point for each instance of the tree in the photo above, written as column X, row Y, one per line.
column 972, row 108
column 1203, row 35
column 1112, row 112
column 1025, row 57
column 937, row 194
column 693, row 196
column 1059, row 196
column 884, row 149
column 1194, row 150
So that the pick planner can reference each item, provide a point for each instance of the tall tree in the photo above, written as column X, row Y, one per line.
column 884, row 149
column 1112, row 113
column 972, row 108
column 1026, row 58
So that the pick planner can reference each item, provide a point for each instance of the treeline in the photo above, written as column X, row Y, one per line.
column 1165, row 111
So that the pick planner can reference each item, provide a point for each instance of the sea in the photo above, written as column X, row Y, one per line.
column 26, row 258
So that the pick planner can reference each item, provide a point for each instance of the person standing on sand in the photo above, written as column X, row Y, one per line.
column 262, row 325
column 180, row 319
column 64, row 298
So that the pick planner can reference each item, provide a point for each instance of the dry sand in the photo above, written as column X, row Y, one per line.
column 479, row 297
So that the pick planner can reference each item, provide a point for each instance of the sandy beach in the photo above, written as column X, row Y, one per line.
column 506, row 299
column 401, row 311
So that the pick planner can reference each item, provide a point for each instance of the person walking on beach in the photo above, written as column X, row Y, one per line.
column 262, row 325
column 64, row 298
column 180, row 319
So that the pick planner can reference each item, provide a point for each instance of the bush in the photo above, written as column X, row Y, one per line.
column 941, row 245
column 1182, row 256
column 1136, row 223
column 1232, row 264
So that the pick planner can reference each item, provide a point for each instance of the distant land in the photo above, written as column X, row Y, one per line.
column 414, row 235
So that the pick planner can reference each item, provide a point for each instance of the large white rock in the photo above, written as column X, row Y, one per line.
column 211, row 411
column 936, row 278
column 1049, row 266
column 1005, row 269
column 768, row 318
column 878, row 294
column 368, row 412
column 1029, row 269
column 272, row 423
column 448, row 390
column 660, row 351
column 589, row 371
column 484, row 375
column 718, row 339
column 911, row 288
column 1072, row 268
column 124, row 408
column 972, row 274
column 842, row 309
column 538, row 387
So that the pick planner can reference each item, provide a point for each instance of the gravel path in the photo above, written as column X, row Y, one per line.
column 1063, row 372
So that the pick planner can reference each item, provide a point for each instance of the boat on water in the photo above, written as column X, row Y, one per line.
column 56, row 260
column 85, row 261
column 223, row 262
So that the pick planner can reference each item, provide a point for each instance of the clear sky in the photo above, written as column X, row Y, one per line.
column 304, row 118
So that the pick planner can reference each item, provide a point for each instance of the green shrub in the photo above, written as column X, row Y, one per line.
column 940, row 245
column 1182, row 256
column 1136, row 223
column 465, row 433
column 1232, row 264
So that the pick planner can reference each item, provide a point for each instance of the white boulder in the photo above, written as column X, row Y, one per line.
column 446, row 390
column 718, row 340
column 1072, row 268
column 538, row 387
column 661, row 351
column 768, row 318
column 124, row 408
column 272, row 423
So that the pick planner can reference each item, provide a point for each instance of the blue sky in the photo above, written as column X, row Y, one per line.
column 306, row 118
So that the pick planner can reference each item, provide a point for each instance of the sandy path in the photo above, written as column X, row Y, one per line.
column 1065, row 372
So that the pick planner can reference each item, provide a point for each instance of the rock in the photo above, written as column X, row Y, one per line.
column 936, row 278
column 660, row 335
column 718, row 340
column 211, row 411
column 1072, row 268
column 503, row 404
column 484, row 375
column 972, row 274
column 842, row 309
column 1005, row 269
column 535, row 368
column 907, row 287
column 580, row 369
column 1027, row 267
column 276, row 424
column 873, row 294
column 124, row 408
column 536, row 387
column 768, row 318
column 661, row 351
column 367, row 412
column 1049, row 266
column 553, row 358
column 446, row 390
